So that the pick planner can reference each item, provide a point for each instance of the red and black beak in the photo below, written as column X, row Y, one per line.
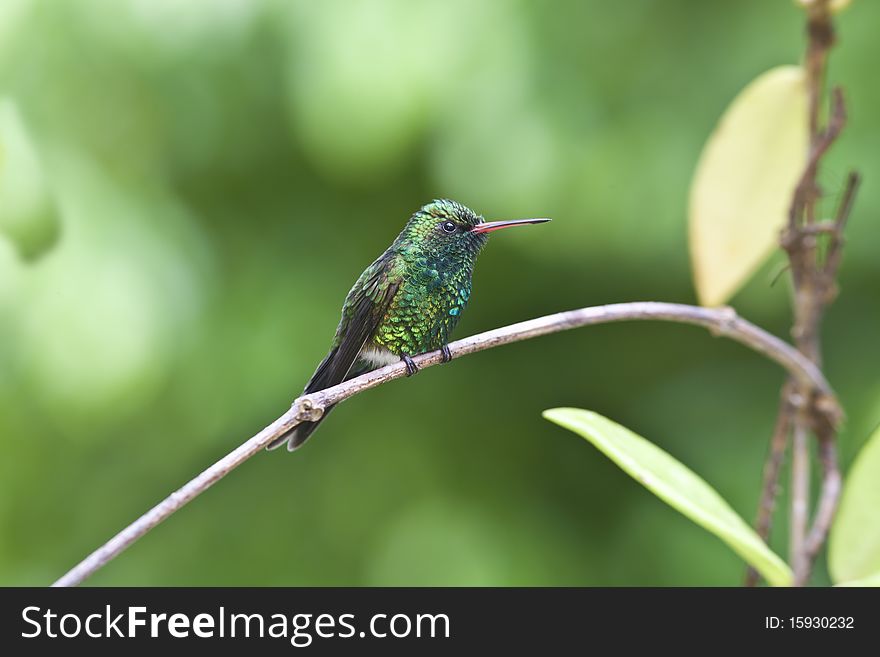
column 489, row 226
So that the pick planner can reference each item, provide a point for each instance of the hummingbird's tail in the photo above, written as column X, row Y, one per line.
column 324, row 377
column 299, row 434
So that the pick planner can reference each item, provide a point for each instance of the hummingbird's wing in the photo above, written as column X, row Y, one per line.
column 368, row 308
column 367, row 303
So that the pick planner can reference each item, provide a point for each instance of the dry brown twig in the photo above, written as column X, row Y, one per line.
column 814, row 281
column 720, row 321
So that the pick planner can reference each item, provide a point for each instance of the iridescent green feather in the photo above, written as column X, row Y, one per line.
column 405, row 303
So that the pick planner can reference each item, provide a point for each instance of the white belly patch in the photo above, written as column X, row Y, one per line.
column 378, row 356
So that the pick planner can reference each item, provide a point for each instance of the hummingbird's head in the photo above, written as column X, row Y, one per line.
column 448, row 228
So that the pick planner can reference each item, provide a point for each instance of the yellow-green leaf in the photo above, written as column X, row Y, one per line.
column 854, row 543
column 676, row 485
column 870, row 580
column 28, row 214
column 744, row 182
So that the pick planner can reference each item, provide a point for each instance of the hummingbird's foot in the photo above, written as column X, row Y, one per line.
column 447, row 355
column 411, row 367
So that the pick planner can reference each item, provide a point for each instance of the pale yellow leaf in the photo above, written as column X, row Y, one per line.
column 744, row 182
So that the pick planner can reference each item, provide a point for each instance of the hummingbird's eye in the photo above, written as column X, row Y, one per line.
column 448, row 226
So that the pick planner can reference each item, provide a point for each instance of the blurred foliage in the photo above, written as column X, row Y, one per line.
column 223, row 170
column 27, row 214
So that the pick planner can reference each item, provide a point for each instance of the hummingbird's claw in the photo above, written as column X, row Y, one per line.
column 447, row 355
column 411, row 367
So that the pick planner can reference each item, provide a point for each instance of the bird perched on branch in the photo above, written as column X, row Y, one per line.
column 407, row 302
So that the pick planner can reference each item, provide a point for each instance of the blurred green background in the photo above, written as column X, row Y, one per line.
column 213, row 176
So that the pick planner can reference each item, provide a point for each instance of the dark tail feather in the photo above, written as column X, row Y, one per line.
column 298, row 435
column 324, row 377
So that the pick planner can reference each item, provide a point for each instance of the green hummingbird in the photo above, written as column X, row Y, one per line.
column 407, row 302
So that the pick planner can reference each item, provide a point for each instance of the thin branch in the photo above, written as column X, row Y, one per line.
column 807, row 191
column 829, row 494
column 815, row 287
column 835, row 246
column 820, row 40
column 772, row 467
column 800, row 496
column 828, row 498
column 720, row 321
column 799, row 240
column 826, row 227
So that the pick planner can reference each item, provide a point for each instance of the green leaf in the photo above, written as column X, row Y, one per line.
column 28, row 214
column 870, row 580
column 854, row 543
column 744, row 182
column 675, row 484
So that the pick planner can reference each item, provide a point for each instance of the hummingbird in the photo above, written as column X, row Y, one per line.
column 407, row 302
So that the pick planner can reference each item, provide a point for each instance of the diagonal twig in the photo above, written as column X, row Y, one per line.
column 720, row 321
